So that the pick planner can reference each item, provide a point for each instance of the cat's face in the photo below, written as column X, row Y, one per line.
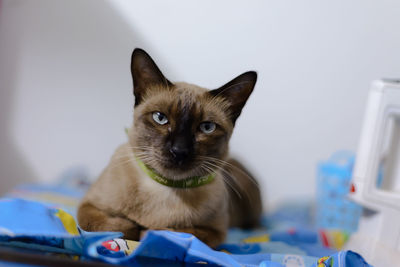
column 180, row 129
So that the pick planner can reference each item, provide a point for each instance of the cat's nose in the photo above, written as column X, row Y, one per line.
column 180, row 153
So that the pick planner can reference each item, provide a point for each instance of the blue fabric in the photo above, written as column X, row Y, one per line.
column 29, row 224
column 33, row 225
column 16, row 217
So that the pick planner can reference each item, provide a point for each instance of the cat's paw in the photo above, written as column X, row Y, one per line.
column 129, row 228
column 144, row 232
column 92, row 219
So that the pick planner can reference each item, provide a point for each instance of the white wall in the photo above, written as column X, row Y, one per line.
column 67, row 88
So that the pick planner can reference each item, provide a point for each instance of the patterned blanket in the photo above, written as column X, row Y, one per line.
column 42, row 217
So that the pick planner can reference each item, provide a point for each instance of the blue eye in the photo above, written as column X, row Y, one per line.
column 207, row 127
column 160, row 118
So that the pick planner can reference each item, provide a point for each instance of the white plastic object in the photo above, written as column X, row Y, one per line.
column 376, row 177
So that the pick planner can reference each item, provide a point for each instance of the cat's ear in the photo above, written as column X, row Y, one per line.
column 145, row 73
column 237, row 92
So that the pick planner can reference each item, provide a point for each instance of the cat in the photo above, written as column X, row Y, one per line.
column 174, row 173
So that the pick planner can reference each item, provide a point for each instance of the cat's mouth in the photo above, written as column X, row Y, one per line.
column 172, row 169
column 182, row 165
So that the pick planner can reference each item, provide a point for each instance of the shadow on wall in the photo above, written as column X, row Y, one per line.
column 82, row 36
column 14, row 168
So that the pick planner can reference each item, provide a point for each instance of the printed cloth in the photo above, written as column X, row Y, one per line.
column 42, row 217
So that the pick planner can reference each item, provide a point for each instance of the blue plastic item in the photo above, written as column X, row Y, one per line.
column 334, row 209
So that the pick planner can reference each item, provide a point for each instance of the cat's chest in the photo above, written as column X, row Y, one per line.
column 159, row 206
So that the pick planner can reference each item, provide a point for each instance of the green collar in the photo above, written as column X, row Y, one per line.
column 190, row 182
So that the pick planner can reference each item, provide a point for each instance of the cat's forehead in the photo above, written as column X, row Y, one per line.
column 182, row 87
column 182, row 95
column 189, row 94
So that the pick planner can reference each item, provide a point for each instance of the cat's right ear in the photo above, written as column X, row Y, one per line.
column 145, row 74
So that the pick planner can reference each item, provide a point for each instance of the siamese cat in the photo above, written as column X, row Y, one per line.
column 174, row 172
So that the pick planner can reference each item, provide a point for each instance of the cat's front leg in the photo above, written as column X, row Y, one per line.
column 92, row 219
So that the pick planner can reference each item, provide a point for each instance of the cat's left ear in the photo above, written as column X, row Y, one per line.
column 145, row 74
column 237, row 92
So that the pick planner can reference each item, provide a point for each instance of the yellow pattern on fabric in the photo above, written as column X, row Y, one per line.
column 68, row 222
column 321, row 262
column 132, row 245
column 257, row 239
